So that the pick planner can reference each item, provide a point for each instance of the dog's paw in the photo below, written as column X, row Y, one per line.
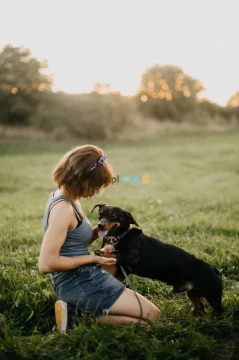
column 105, row 254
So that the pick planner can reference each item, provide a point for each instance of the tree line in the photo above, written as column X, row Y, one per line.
column 166, row 93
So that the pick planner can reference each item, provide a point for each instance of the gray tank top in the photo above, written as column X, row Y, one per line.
column 77, row 239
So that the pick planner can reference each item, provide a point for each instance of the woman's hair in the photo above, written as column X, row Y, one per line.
column 74, row 170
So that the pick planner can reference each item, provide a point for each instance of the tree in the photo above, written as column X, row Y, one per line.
column 19, row 72
column 22, row 78
column 169, row 82
column 166, row 92
column 234, row 100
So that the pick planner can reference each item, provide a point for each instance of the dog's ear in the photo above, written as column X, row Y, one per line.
column 98, row 205
column 131, row 218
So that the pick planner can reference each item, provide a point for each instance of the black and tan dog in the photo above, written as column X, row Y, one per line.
column 148, row 257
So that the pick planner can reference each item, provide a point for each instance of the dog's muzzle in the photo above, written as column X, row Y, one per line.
column 101, row 223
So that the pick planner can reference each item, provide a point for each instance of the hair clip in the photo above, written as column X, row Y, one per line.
column 99, row 162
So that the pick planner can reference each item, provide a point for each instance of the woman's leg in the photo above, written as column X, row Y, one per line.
column 119, row 320
column 127, row 309
column 113, row 319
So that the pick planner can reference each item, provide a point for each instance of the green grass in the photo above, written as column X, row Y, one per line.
column 191, row 201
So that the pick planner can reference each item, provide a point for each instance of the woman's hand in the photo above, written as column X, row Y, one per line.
column 107, row 248
column 105, row 261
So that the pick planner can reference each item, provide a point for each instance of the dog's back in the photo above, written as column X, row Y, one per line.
column 167, row 262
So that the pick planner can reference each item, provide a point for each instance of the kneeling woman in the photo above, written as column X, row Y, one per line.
column 79, row 278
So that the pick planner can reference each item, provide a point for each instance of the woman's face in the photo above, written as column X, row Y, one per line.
column 89, row 191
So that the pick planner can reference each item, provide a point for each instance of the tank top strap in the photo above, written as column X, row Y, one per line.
column 55, row 200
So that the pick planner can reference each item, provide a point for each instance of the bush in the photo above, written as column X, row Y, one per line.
column 89, row 115
column 162, row 109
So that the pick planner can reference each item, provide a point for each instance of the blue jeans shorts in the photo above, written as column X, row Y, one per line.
column 89, row 288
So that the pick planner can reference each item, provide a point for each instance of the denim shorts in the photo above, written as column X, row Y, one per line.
column 89, row 288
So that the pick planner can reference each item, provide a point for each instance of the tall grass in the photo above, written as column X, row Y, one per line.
column 191, row 201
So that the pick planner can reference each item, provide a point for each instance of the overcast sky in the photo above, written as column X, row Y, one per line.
column 86, row 41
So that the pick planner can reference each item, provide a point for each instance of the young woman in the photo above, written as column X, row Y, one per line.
column 79, row 278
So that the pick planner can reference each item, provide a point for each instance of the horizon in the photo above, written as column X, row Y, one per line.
column 113, row 43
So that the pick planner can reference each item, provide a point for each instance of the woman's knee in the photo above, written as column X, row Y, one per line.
column 154, row 314
column 152, row 310
column 149, row 310
column 135, row 305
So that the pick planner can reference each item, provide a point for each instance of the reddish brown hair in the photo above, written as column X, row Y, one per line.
column 74, row 170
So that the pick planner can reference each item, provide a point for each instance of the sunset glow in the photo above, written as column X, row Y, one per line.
column 114, row 42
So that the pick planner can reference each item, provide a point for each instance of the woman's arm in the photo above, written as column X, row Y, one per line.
column 50, row 260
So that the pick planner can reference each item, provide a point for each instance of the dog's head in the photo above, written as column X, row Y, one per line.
column 114, row 219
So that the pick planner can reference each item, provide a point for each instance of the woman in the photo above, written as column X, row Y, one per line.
column 78, row 277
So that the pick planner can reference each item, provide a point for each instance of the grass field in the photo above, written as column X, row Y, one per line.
column 192, row 200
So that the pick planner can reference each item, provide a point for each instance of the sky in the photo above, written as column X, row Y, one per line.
column 114, row 41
